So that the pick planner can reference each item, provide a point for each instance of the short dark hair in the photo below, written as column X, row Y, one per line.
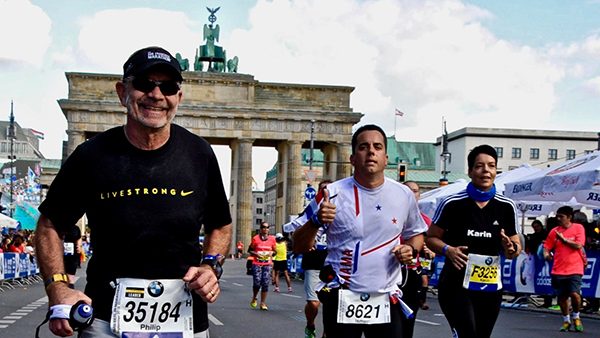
column 368, row 127
column 565, row 210
column 537, row 221
column 481, row 149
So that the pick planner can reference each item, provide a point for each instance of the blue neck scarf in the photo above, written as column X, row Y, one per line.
column 478, row 195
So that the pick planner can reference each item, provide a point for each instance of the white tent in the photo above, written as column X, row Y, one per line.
column 8, row 222
column 576, row 180
column 429, row 200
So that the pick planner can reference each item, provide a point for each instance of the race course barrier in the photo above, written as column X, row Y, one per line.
column 17, row 269
column 530, row 274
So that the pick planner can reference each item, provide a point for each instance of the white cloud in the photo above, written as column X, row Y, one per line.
column 593, row 85
column 25, row 34
column 108, row 37
column 581, row 61
column 428, row 58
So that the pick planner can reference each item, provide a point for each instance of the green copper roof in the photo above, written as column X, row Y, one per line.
column 418, row 155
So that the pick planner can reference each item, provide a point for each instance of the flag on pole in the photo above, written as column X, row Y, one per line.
column 37, row 134
column 399, row 113
column 30, row 176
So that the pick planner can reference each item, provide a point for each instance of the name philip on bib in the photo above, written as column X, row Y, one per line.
column 146, row 308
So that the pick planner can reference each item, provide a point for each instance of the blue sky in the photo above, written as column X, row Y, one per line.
column 508, row 64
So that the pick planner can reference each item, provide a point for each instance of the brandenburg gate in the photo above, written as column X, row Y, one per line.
column 238, row 111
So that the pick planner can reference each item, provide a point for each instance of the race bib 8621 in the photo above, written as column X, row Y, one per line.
column 363, row 308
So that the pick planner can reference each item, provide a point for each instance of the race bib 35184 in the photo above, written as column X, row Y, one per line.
column 149, row 308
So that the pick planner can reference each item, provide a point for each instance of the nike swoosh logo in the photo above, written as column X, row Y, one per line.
column 185, row 193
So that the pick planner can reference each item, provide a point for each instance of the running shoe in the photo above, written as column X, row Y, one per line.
column 264, row 307
column 253, row 304
column 578, row 324
column 290, row 289
column 276, row 289
column 566, row 326
column 309, row 333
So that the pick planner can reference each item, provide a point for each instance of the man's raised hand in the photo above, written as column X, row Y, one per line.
column 327, row 209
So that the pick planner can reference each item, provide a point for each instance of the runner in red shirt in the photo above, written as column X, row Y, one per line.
column 566, row 242
column 262, row 248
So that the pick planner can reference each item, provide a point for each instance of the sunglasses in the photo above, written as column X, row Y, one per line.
column 146, row 86
column 264, row 227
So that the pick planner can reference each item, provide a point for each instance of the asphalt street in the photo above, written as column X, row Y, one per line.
column 24, row 307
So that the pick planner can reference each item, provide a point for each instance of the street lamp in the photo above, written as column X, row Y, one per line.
column 11, row 136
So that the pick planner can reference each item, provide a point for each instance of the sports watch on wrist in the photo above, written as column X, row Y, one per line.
column 214, row 263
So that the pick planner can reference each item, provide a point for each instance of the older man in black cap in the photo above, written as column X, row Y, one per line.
column 147, row 188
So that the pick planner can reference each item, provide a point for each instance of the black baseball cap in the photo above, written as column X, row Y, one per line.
column 151, row 57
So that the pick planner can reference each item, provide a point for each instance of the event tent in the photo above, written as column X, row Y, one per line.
column 574, row 180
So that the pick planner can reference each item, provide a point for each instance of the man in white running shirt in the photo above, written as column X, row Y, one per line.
column 364, row 217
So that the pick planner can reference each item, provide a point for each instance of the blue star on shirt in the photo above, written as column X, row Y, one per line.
column 378, row 207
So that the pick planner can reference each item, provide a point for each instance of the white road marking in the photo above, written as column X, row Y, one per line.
column 22, row 312
column 214, row 320
column 427, row 322
column 237, row 284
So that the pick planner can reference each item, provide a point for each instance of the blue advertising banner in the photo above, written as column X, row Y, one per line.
column 294, row 263
column 23, row 265
column 530, row 273
column 10, row 265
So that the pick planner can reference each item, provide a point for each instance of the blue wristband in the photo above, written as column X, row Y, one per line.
column 445, row 249
column 315, row 220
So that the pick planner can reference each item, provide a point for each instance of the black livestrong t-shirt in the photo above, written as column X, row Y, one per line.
column 145, row 209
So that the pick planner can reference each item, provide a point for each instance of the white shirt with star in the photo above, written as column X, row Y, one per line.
column 367, row 225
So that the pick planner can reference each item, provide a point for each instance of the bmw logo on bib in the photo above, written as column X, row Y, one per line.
column 155, row 289
column 364, row 297
column 489, row 260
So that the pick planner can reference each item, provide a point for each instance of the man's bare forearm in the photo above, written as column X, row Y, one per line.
column 218, row 241
column 48, row 248
column 416, row 242
column 304, row 237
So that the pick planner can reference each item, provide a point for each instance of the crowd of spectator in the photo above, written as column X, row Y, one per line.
column 17, row 241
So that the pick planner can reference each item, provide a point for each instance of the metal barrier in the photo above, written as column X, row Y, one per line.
column 17, row 270
column 530, row 274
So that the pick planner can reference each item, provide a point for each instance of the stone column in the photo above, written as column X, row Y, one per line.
column 75, row 138
column 294, row 178
column 344, row 168
column 331, row 164
column 241, row 175
column 281, row 184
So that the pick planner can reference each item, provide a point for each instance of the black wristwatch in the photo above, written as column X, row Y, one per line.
column 214, row 263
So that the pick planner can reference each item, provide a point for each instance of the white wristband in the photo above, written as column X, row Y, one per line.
column 60, row 311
